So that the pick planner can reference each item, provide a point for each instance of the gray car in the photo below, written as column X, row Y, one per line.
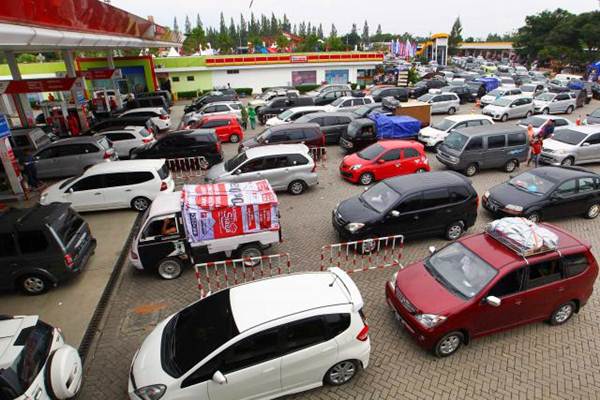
column 573, row 145
column 69, row 157
column 509, row 107
column 287, row 167
column 554, row 103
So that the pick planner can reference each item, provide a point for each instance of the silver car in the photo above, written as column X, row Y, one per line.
column 573, row 145
column 72, row 156
column 509, row 107
column 554, row 103
column 442, row 103
column 286, row 166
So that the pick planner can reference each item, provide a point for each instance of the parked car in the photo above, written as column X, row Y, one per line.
column 364, row 111
column 42, row 246
column 292, row 114
column 159, row 116
column 148, row 102
column 328, row 88
column 69, row 157
column 124, row 122
column 423, row 87
column 286, row 166
column 593, row 118
column 498, row 93
column 330, row 96
column 442, row 103
column 52, row 369
column 411, row 205
column 184, row 143
column 280, row 104
column 478, row 89
column 464, row 93
column 477, row 286
column 361, row 133
column 164, row 93
column 348, row 103
column 473, row 149
column 554, row 103
column 507, row 82
column 226, row 126
column 265, row 97
column 532, row 89
column 220, row 108
column 399, row 93
column 539, row 121
column 333, row 124
column 121, row 184
column 308, row 134
column 384, row 159
column 125, row 140
column 222, row 345
column 434, row 135
column 580, row 97
column 212, row 97
column 510, row 107
column 572, row 145
column 28, row 140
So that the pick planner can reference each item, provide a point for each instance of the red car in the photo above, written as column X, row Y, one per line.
column 383, row 160
column 227, row 127
column 478, row 285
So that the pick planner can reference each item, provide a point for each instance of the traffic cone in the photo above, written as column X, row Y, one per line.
column 578, row 121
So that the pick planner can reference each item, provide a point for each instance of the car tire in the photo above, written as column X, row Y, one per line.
column 545, row 111
column 341, row 373
column 140, row 204
column 366, row 179
column 504, row 118
column 570, row 110
column 563, row 313
column 234, row 138
column 250, row 251
column 455, row 230
column 170, row 268
column 593, row 211
column 567, row 162
column 511, row 165
column 34, row 284
column 471, row 170
column 451, row 111
column 297, row 187
column 534, row 217
column 528, row 114
column 448, row 344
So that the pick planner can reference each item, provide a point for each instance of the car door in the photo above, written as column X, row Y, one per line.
column 388, row 164
column 117, row 190
column 331, row 128
column 437, row 104
column 436, row 213
column 543, row 288
column 157, row 243
column 46, row 162
column 276, row 170
column 562, row 201
column 495, row 154
column 86, row 194
column 309, row 351
column 408, row 220
column 9, row 259
column 411, row 160
column 589, row 150
column 251, row 170
column 560, row 103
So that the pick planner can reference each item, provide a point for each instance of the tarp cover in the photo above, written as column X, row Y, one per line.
column 489, row 83
column 395, row 127
column 522, row 235
column 221, row 210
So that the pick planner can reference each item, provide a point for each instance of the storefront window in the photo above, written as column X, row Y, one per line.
column 365, row 77
column 304, row 78
column 337, row 76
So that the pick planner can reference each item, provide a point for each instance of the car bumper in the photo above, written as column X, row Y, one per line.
column 429, row 141
column 350, row 176
column 446, row 161
column 552, row 159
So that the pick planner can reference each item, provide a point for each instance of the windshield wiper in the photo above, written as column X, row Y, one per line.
column 363, row 201
column 438, row 277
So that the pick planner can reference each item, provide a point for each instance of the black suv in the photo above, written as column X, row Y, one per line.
column 164, row 93
column 42, row 246
column 547, row 192
column 120, row 123
column 411, row 205
column 399, row 93
column 200, row 102
column 149, row 101
column 330, row 96
column 464, row 93
column 280, row 104
column 423, row 87
column 309, row 134
column 185, row 143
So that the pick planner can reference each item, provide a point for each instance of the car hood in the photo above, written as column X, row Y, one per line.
column 354, row 159
column 424, row 292
column 147, row 368
column 507, row 194
column 53, row 193
column 494, row 109
column 488, row 99
column 551, row 144
column 540, row 103
column 431, row 131
column 274, row 121
column 216, row 171
column 353, row 210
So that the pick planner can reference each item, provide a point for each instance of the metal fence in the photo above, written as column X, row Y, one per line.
column 319, row 155
column 188, row 169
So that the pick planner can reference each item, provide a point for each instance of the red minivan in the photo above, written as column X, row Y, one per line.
column 477, row 286
column 384, row 159
column 227, row 127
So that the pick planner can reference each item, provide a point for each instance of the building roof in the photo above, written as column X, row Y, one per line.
column 485, row 46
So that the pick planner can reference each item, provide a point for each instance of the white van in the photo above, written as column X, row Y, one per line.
column 432, row 136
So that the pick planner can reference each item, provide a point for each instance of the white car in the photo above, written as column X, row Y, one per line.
column 539, row 121
column 498, row 93
column 126, row 139
column 260, row 340
column 554, row 103
column 507, row 83
column 289, row 116
column 432, row 136
column 509, row 107
column 532, row 89
column 119, row 184
column 348, row 103
column 217, row 108
column 442, row 103
column 35, row 362
column 158, row 114
column 262, row 99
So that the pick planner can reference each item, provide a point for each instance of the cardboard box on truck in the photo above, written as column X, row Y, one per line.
column 416, row 109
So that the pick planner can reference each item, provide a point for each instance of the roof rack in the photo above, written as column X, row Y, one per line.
column 522, row 236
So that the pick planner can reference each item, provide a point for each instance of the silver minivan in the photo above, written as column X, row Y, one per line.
column 554, row 103
column 509, row 107
column 572, row 145
column 286, row 166
column 442, row 103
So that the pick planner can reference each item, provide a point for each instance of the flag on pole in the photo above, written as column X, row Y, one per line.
column 251, row 2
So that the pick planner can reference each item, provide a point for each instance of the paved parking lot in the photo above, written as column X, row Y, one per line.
column 532, row 362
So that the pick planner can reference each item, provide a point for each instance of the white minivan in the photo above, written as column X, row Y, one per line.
column 126, row 139
column 159, row 116
column 434, row 135
column 260, row 340
column 119, row 184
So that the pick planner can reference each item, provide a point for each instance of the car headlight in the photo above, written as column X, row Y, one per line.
column 561, row 151
column 43, row 197
column 453, row 159
column 430, row 320
column 355, row 167
column 354, row 226
column 486, row 194
column 152, row 392
column 513, row 208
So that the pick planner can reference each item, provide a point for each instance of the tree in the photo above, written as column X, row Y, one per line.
column 274, row 25
column 222, row 26
column 310, row 43
column 282, row 42
column 198, row 21
column 302, row 29
column 188, row 25
column 194, row 40
column 243, row 32
column 253, row 27
column 175, row 26
column 286, row 26
column 295, row 30
column 365, row 33
column 455, row 37
column 352, row 39
column 265, row 26
column 308, row 29
column 333, row 32
column 233, row 34
column 320, row 31
column 378, row 32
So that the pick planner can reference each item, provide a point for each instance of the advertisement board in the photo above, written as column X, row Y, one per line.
column 340, row 76
column 304, row 78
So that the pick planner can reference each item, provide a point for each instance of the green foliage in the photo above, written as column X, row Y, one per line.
column 25, row 58
column 194, row 40
column 188, row 95
column 306, row 88
column 455, row 37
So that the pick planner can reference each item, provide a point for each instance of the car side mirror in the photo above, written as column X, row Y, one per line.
column 493, row 301
column 70, row 190
column 237, row 172
column 394, row 213
column 219, row 378
column 432, row 250
column 585, row 144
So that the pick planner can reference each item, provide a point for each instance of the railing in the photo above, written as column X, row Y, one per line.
column 186, row 169
column 319, row 155
column 363, row 255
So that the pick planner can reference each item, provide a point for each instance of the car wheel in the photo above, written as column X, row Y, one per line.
column 545, row 111
column 297, row 187
column 420, row 171
column 528, row 114
column 251, row 251
column 567, row 162
column 511, row 165
column 562, row 314
column 504, row 118
column 451, row 111
column 34, row 284
column 455, row 230
column 570, row 110
column 448, row 344
column 366, row 179
column 593, row 211
column 234, row 138
column 170, row 268
column 471, row 169
column 341, row 373
column 140, row 204
column 534, row 217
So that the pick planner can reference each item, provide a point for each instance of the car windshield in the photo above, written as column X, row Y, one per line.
column 536, row 122
column 285, row 115
column 502, row 102
column 568, row 136
column 460, row 270
column 545, row 96
column 443, row 125
column 197, row 331
column 425, row 98
column 455, row 141
column 68, row 182
column 19, row 376
column 380, row 197
column 371, row 152
column 532, row 183
column 235, row 162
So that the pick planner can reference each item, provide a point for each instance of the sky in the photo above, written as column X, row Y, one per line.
column 421, row 18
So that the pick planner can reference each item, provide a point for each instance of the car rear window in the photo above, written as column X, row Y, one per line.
column 66, row 226
column 163, row 172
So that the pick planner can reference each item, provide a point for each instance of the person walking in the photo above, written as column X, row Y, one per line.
column 244, row 118
column 536, row 150
column 252, row 117
column 531, row 136
column 30, row 170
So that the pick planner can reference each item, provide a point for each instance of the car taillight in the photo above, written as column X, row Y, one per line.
column 68, row 260
column 163, row 186
column 163, row 116
column 146, row 140
column 363, row 334
column 106, row 155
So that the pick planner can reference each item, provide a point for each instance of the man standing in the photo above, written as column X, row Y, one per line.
column 252, row 117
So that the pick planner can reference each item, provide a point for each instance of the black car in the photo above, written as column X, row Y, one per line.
column 164, row 93
column 593, row 118
column 333, row 124
column 309, row 134
column 423, row 87
column 120, row 123
column 411, row 205
column 185, row 143
column 478, row 89
column 330, row 96
column 545, row 193
column 42, row 246
column 200, row 102
column 463, row 92
column 281, row 103
column 595, row 88
column 360, row 133
column 149, row 101
column 399, row 93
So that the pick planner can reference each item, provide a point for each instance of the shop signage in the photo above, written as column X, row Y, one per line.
column 298, row 59
column 39, row 85
column 93, row 74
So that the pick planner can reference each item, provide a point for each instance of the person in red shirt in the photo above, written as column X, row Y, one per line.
column 536, row 150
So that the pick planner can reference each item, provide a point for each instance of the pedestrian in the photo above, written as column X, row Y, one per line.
column 30, row 170
column 530, row 132
column 536, row 150
column 547, row 130
column 244, row 118
column 252, row 117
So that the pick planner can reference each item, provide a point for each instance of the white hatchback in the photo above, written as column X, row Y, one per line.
column 260, row 340
column 126, row 139
column 119, row 184
column 158, row 115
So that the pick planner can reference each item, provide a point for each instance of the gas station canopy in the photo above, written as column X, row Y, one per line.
column 43, row 25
